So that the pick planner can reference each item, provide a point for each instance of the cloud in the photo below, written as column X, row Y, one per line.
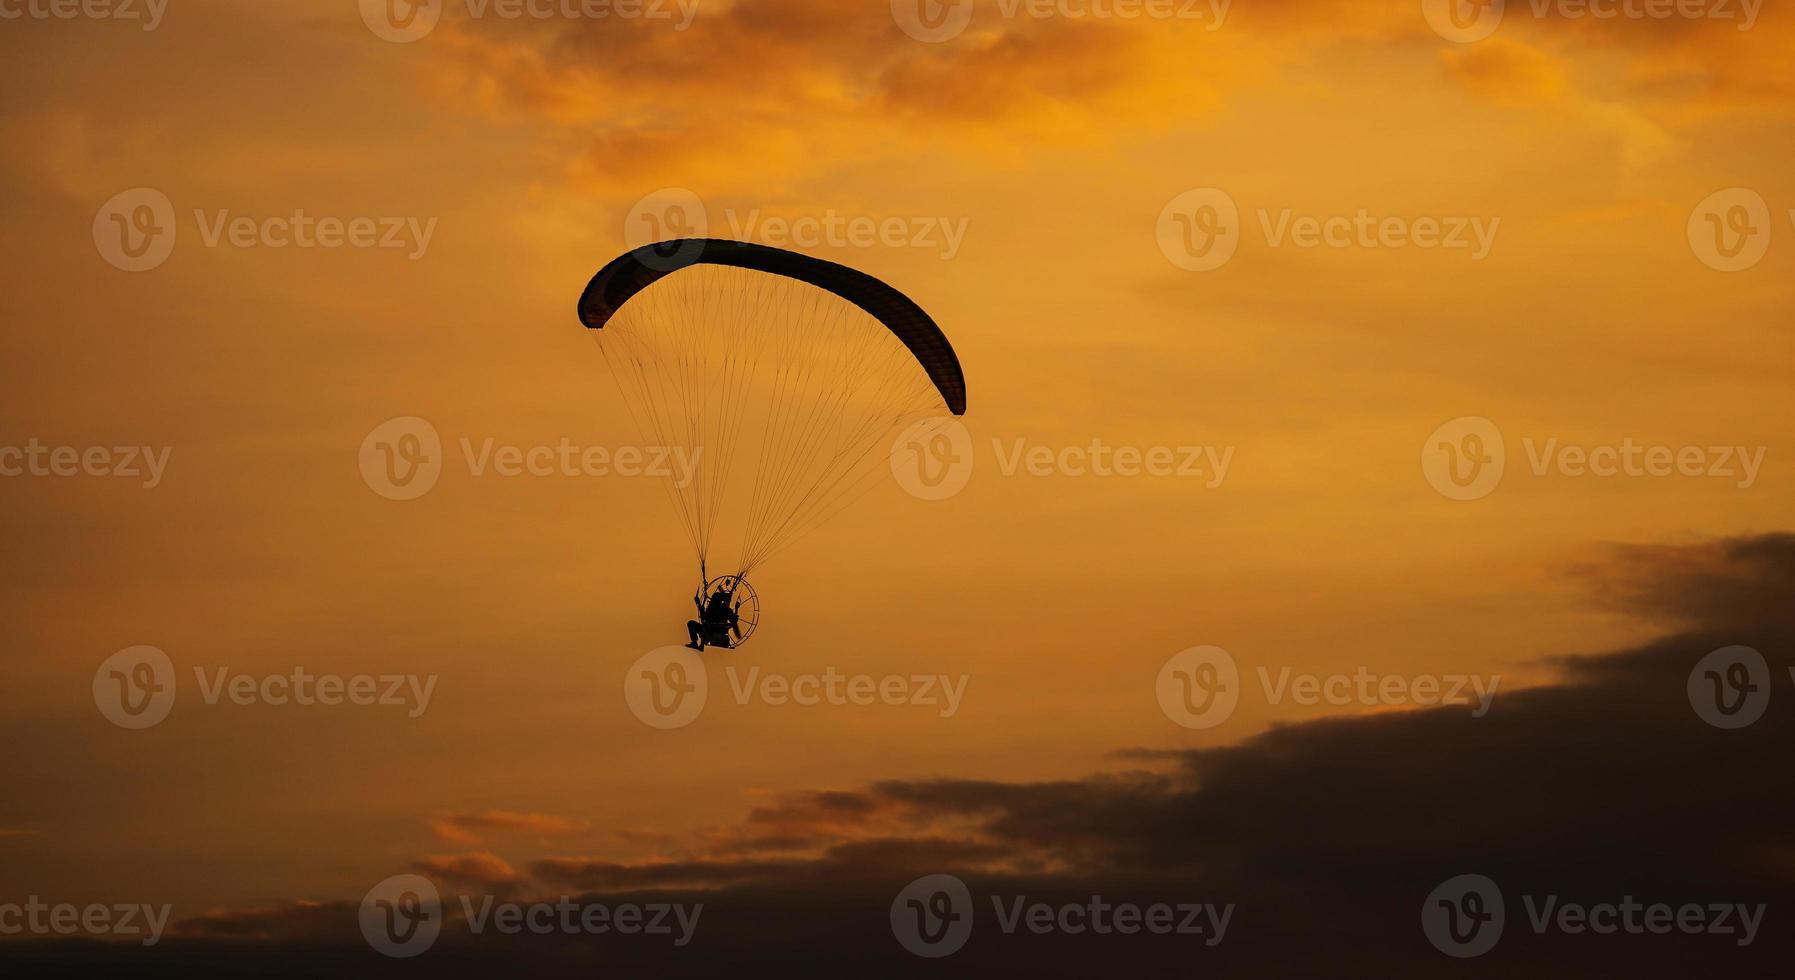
column 467, row 828
column 1746, row 580
column 1507, row 72
column 805, row 85
column 1325, row 836
column 857, row 860
column 802, row 86
column 480, row 869
column 292, row 921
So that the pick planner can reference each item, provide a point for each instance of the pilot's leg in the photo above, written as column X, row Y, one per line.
column 696, row 631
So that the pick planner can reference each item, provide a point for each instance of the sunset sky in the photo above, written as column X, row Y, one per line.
column 1056, row 149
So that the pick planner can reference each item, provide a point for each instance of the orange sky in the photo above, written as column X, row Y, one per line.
column 1056, row 144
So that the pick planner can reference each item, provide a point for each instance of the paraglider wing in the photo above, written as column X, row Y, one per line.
column 636, row 270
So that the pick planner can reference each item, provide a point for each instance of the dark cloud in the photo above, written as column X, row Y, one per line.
column 1742, row 580
column 1326, row 837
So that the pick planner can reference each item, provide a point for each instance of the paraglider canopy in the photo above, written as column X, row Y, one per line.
column 634, row 271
